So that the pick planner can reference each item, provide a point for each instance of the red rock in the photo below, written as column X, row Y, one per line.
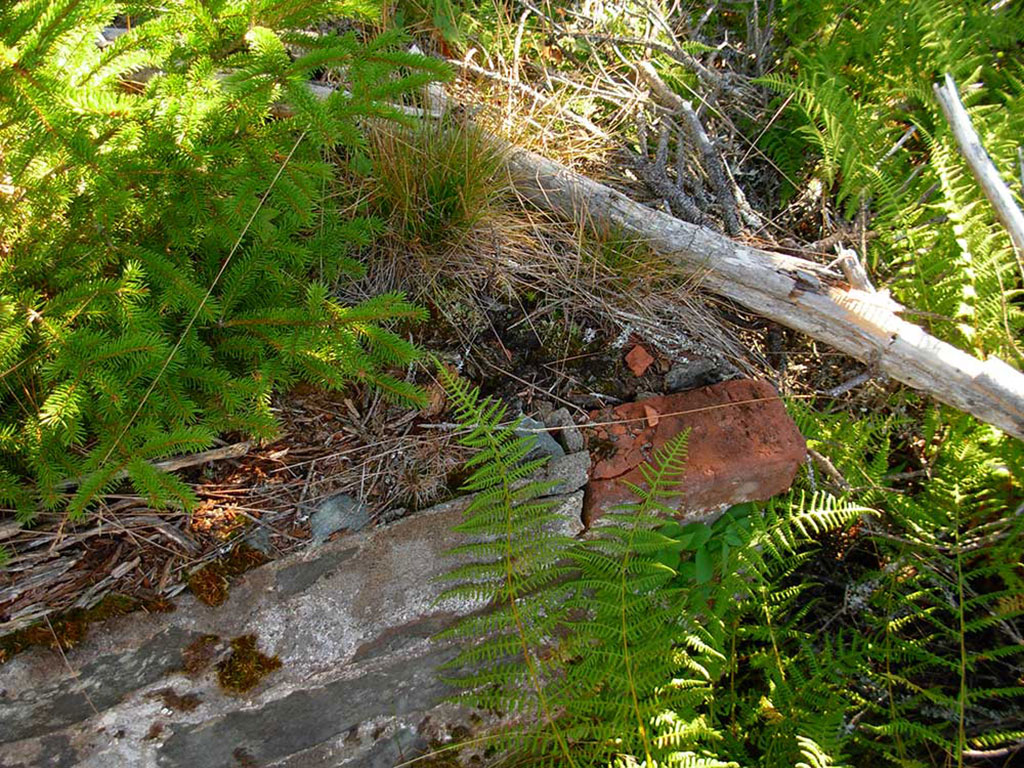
column 743, row 446
column 639, row 360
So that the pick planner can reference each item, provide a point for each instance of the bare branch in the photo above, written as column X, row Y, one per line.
column 981, row 165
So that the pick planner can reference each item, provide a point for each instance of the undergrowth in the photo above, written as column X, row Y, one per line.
column 169, row 250
column 809, row 630
column 862, row 119
column 647, row 643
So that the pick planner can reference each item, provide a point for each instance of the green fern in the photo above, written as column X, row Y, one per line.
column 513, row 557
column 860, row 79
column 648, row 643
column 936, row 602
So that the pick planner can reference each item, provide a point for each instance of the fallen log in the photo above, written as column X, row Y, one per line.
column 794, row 292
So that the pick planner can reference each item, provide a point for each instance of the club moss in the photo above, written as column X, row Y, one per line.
column 246, row 666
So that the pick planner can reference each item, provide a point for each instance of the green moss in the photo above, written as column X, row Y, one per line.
column 211, row 583
column 70, row 628
column 246, row 666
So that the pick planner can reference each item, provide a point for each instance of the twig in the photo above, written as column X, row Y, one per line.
column 710, row 160
column 849, row 384
column 664, row 94
column 709, row 77
column 907, row 135
column 232, row 451
column 981, row 164
column 712, row 163
column 826, row 244
column 856, row 274
column 829, row 469
column 67, row 664
column 682, row 206
column 993, row 754
column 532, row 93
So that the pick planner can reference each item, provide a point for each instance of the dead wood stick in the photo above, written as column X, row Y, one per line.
column 791, row 291
column 710, row 160
column 981, row 165
column 173, row 464
column 280, row 109
column 714, row 167
column 233, row 451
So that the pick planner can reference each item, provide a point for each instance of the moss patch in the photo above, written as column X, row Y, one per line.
column 70, row 628
column 187, row 702
column 246, row 666
column 199, row 655
column 210, row 584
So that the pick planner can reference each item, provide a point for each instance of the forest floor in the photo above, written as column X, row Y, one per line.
column 523, row 306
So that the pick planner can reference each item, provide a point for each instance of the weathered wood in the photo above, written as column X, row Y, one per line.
column 175, row 463
column 981, row 165
column 797, row 293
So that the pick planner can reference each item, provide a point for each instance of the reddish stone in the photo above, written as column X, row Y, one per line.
column 743, row 446
column 639, row 360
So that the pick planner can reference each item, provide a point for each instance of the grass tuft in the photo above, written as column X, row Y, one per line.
column 434, row 181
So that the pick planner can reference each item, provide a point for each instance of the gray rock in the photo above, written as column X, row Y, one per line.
column 259, row 539
column 569, row 434
column 545, row 444
column 693, row 374
column 569, row 473
column 570, row 515
column 542, row 410
column 352, row 622
column 341, row 512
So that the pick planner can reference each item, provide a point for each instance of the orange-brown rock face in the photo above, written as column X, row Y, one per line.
column 743, row 446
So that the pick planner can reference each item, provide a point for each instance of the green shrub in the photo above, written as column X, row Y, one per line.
column 167, row 247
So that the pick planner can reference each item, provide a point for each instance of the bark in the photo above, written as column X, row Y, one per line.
column 799, row 294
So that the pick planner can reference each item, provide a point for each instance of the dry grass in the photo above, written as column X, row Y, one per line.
column 432, row 182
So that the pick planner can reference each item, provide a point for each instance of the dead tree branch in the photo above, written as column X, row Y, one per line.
column 794, row 292
column 981, row 165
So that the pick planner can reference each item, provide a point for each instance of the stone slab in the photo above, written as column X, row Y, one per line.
column 352, row 621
